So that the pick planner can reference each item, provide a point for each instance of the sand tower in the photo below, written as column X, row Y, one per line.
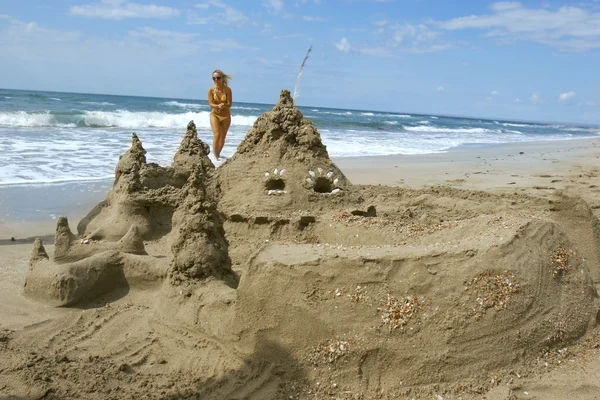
column 282, row 164
column 171, row 208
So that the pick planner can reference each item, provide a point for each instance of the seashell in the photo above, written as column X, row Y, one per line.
column 86, row 241
column 310, row 181
column 311, row 173
column 335, row 181
column 329, row 174
column 267, row 174
column 275, row 171
column 320, row 170
column 334, row 191
column 281, row 172
column 284, row 191
column 270, row 192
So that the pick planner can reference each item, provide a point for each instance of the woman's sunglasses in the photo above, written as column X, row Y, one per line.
column 216, row 78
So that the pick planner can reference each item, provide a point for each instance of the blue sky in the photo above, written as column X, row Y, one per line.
column 529, row 60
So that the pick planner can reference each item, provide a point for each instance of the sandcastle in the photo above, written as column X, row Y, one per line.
column 368, row 285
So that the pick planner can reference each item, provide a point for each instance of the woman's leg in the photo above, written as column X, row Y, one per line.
column 223, row 134
column 216, row 128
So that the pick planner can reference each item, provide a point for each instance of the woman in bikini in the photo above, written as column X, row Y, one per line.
column 219, row 99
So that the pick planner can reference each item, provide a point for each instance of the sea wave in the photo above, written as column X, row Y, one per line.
column 245, row 108
column 97, row 103
column 437, row 129
column 24, row 119
column 114, row 119
column 184, row 105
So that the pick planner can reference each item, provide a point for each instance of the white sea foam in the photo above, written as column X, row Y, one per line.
column 136, row 120
column 368, row 114
column 24, row 119
column 117, row 119
column 97, row 103
column 185, row 105
column 437, row 129
column 245, row 108
column 516, row 125
column 55, row 98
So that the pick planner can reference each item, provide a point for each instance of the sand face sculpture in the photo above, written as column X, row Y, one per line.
column 380, row 290
column 281, row 165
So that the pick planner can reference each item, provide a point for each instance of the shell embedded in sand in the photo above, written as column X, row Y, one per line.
column 310, row 181
column 320, row 170
column 329, row 174
column 281, row 172
column 335, row 181
column 312, row 173
column 334, row 191
column 267, row 174
column 275, row 171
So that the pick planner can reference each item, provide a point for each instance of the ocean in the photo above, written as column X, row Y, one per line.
column 51, row 138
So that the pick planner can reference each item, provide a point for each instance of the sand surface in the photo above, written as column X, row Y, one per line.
column 475, row 278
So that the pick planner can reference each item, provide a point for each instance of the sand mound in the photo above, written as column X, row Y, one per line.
column 281, row 166
column 274, row 277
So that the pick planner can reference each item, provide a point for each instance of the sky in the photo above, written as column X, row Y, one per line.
column 528, row 60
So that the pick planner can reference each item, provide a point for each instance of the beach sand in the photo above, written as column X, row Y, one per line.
column 308, row 319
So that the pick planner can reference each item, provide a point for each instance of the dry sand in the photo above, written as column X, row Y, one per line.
column 474, row 276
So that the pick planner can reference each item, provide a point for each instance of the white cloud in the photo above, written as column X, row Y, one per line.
column 290, row 36
column 566, row 28
column 119, row 9
column 223, row 44
column 31, row 42
column 343, row 45
column 416, row 39
column 227, row 16
column 416, row 33
column 566, row 96
column 439, row 89
column 495, row 93
column 313, row 19
column 535, row 97
column 267, row 28
column 274, row 5
column 518, row 100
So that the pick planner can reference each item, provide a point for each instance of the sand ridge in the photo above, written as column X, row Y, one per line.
column 273, row 276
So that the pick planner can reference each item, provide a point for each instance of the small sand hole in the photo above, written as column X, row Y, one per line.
column 323, row 185
column 275, row 184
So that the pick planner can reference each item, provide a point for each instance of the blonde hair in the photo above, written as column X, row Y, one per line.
column 224, row 76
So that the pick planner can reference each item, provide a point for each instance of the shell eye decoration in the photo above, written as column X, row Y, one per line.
column 275, row 184
column 325, row 184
